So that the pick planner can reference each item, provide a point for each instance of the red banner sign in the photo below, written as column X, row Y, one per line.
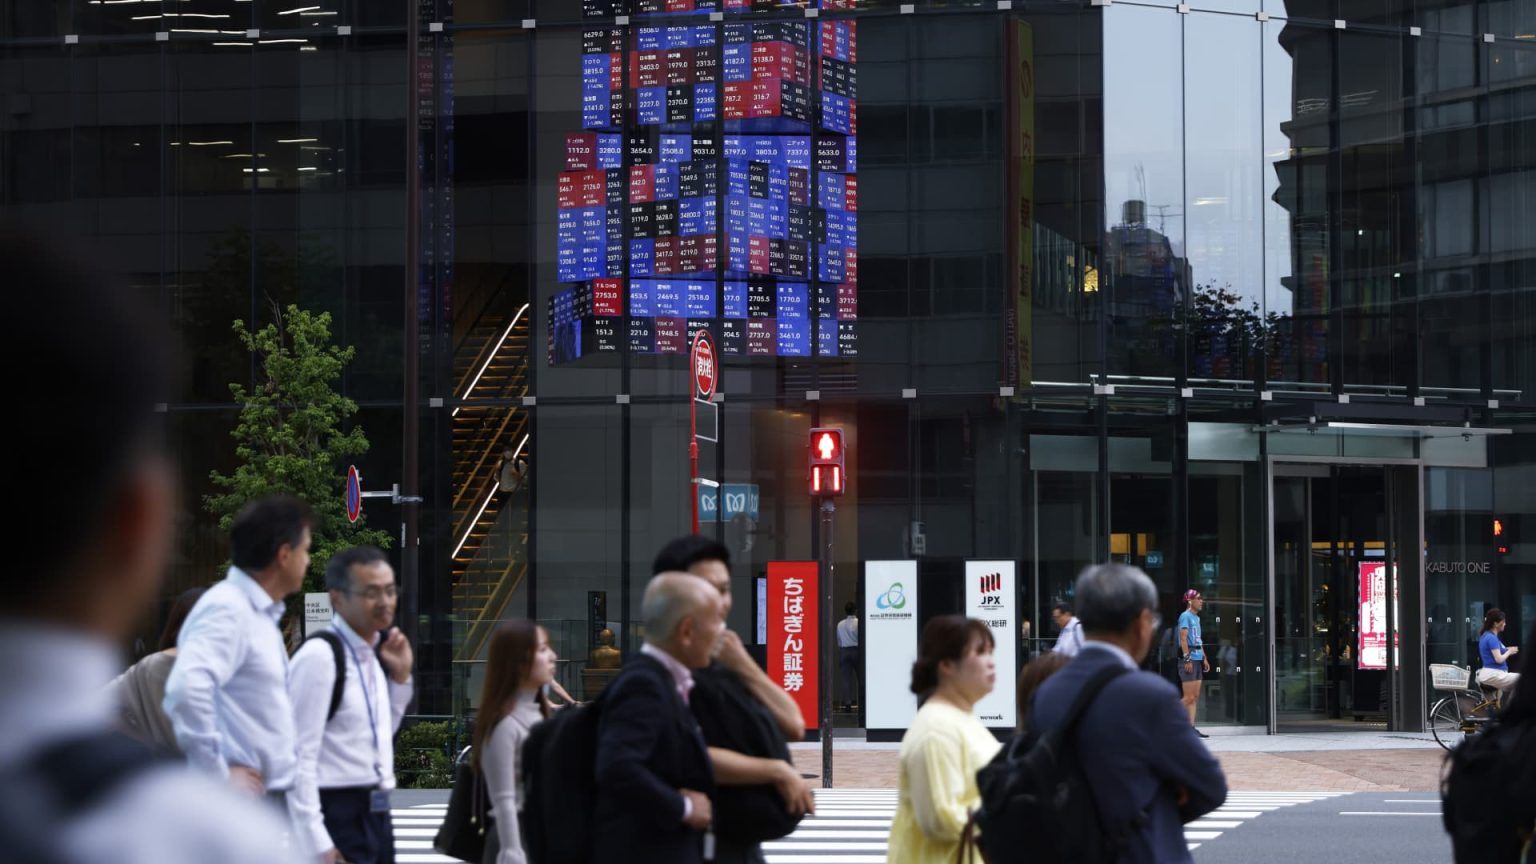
column 793, row 647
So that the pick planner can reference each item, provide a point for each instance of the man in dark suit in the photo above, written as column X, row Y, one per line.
column 653, row 772
column 1149, row 770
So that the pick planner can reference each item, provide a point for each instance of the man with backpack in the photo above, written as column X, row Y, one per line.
column 746, row 720
column 652, row 773
column 1128, row 733
column 350, row 686
column 79, row 583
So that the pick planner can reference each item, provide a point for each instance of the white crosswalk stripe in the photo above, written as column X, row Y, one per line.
column 852, row 826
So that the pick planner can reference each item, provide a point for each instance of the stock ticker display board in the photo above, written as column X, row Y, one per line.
column 714, row 185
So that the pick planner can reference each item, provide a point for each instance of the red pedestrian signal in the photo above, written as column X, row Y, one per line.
column 828, row 467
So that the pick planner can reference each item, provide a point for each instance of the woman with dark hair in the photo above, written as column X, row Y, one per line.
column 1032, row 676
column 140, row 692
column 519, row 665
column 1495, row 672
column 946, row 744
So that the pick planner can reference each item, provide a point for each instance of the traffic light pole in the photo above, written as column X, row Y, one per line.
column 828, row 642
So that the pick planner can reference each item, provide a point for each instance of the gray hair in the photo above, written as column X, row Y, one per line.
column 669, row 598
column 1110, row 597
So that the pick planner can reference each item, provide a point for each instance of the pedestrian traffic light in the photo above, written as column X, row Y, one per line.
column 828, row 469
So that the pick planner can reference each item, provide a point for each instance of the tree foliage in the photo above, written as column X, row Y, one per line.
column 292, row 437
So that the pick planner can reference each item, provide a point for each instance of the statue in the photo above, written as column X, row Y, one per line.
column 605, row 656
column 602, row 665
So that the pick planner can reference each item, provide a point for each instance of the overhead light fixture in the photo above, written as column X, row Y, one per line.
column 297, row 140
column 298, row 10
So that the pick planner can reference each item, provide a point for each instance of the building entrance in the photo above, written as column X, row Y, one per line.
column 1346, row 576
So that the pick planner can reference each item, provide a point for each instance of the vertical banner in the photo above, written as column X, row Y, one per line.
column 793, row 627
column 1371, row 649
column 992, row 598
column 888, row 635
column 1020, row 107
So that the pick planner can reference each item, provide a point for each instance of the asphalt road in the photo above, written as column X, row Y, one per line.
column 1360, row 828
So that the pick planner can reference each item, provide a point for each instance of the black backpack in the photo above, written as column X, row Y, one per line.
column 730, row 717
column 63, row 781
column 1489, row 795
column 330, row 638
column 559, row 785
column 1035, row 796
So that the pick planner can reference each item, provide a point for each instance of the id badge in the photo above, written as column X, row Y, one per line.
column 378, row 801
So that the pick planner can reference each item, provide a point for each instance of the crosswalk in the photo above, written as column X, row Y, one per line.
column 851, row 826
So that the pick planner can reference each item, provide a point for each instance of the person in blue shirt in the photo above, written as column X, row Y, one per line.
column 1495, row 672
column 1192, row 661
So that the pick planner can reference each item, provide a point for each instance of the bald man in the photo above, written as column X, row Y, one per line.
column 653, row 771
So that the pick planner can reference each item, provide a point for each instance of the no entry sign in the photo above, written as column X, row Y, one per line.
column 704, row 369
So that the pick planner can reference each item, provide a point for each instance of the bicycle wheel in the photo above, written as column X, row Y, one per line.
column 1445, row 721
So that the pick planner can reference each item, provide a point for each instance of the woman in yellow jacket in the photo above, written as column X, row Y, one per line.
column 946, row 744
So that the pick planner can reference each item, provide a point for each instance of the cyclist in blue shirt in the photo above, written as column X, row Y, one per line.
column 1192, row 661
column 1495, row 672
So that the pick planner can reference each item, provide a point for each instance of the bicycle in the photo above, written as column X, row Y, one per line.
column 1467, row 709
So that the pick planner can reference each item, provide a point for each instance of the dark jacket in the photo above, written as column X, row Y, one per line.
column 1138, row 750
column 648, row 748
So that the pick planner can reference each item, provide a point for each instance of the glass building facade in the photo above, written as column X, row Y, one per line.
column 1242, row 292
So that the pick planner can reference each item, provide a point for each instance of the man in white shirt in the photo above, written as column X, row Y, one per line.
column 346, row 757
column 227, row 696
column 848, row 654
column 75, row 791
column 1070, row 641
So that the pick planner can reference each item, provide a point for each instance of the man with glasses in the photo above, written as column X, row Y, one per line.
column 350, row 686
column 1148, row 770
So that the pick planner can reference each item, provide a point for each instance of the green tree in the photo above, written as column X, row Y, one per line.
column 290, row 437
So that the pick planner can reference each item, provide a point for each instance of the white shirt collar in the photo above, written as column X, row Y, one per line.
column 682, row 676
column 340, row 625
column 260, row 599
column 51, row 684
column 1118, row 652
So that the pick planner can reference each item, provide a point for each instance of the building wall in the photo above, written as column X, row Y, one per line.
column 1222, row 201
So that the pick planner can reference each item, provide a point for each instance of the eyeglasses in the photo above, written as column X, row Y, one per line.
column 374, row 594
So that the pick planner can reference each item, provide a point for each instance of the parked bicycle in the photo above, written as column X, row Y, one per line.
column 1468, row 707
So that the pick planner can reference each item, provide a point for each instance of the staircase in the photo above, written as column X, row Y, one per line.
column 490, row 523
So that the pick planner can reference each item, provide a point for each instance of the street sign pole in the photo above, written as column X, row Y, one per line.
column 828, row 641
column 701, row 385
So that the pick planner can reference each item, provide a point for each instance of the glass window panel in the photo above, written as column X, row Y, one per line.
column 1225, row 204
column 1146, row 272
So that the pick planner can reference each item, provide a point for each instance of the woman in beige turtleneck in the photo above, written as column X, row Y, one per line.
column 519, row 665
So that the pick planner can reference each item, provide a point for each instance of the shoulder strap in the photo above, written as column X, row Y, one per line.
column 1086, row 696
column 65, row 779
column 331, row 639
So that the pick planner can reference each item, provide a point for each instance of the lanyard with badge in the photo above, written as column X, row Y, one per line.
column 378, row 799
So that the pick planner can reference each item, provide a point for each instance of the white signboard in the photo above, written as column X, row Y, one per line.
column 317, row 612
column 888, row 632
column 991, row 597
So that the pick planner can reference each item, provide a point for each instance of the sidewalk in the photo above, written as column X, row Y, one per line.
column 1313, row 762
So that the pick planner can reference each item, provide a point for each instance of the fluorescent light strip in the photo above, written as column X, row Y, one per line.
column 308, row 168
column 280, row 41
column 487, row 363
column 298, row 10
column 296, row 140
column 471, row 529
column 519, row 451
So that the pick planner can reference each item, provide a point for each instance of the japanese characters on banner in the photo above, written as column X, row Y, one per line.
column 1372, row 647
column 793, row 627
column 990, row 597
column 888, row 633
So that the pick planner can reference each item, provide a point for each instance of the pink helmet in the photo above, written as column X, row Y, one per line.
column 1190, row 595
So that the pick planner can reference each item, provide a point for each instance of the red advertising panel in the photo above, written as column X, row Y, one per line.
column 793, row 647
column 1372, row 648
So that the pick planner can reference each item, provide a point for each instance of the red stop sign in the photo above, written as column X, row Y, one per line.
column 704, row 370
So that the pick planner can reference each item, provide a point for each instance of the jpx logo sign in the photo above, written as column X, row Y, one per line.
column 991, row 583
